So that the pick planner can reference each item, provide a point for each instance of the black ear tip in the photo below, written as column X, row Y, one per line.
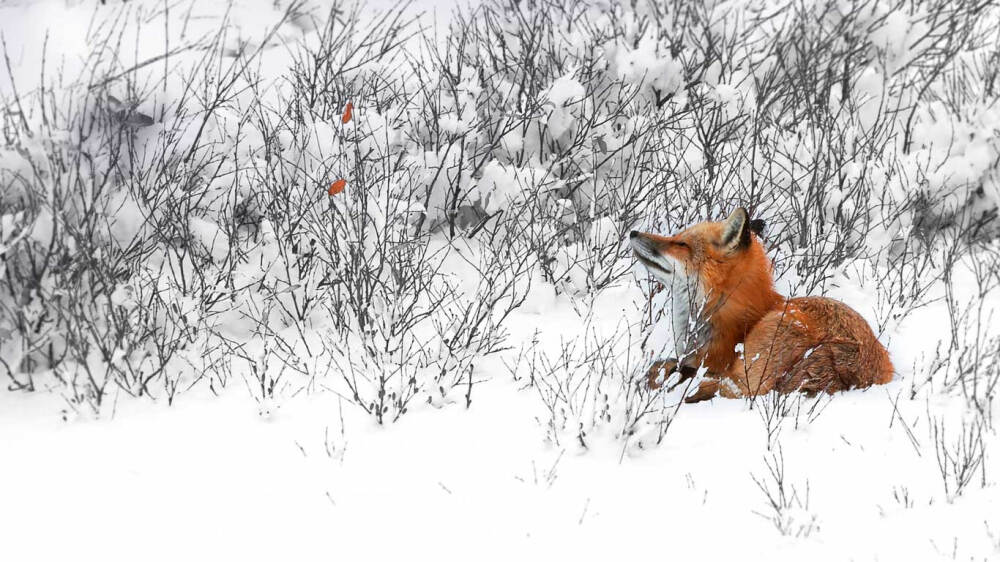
column 633, row 234
column 757, row 226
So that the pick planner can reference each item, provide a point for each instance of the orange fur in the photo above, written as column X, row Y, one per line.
column 809, row 344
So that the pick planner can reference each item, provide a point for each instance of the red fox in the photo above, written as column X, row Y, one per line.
column 723, row 296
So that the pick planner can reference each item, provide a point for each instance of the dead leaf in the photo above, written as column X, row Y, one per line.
column 337, row 187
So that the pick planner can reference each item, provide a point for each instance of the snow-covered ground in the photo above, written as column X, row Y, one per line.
column 208, row 478
column 449, row 372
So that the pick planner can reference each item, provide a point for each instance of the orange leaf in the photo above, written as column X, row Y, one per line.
column 347, row 113
column 337, row 187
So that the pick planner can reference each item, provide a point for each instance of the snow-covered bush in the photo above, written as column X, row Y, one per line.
column 163, row 229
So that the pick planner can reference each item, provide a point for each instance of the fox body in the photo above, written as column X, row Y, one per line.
column 723, row 296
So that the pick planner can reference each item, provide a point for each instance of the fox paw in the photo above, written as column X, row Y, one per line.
column 658, row 372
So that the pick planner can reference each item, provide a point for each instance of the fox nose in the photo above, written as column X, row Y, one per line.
column 633, row 234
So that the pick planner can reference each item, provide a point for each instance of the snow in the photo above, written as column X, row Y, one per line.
column 501, row 185
column 211, row 479
column 647, row 64
column 44, row 228
column 565, row 90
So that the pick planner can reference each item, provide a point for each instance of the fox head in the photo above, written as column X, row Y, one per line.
column 719, row 255
column 718, row 274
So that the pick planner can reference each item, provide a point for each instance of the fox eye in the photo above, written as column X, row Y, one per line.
column 681, row 244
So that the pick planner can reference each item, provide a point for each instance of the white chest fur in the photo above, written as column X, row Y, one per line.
column 685, row 314
column 686, row 306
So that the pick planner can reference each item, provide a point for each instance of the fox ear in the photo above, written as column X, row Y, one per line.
column 736, row 230
column 757, row 226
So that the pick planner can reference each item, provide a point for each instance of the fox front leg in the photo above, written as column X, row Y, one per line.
column 715, row 386
column 658, row 372
column 706, row 391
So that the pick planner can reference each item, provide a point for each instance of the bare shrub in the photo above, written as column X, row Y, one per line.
column 960, row 459
column 787, row 506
